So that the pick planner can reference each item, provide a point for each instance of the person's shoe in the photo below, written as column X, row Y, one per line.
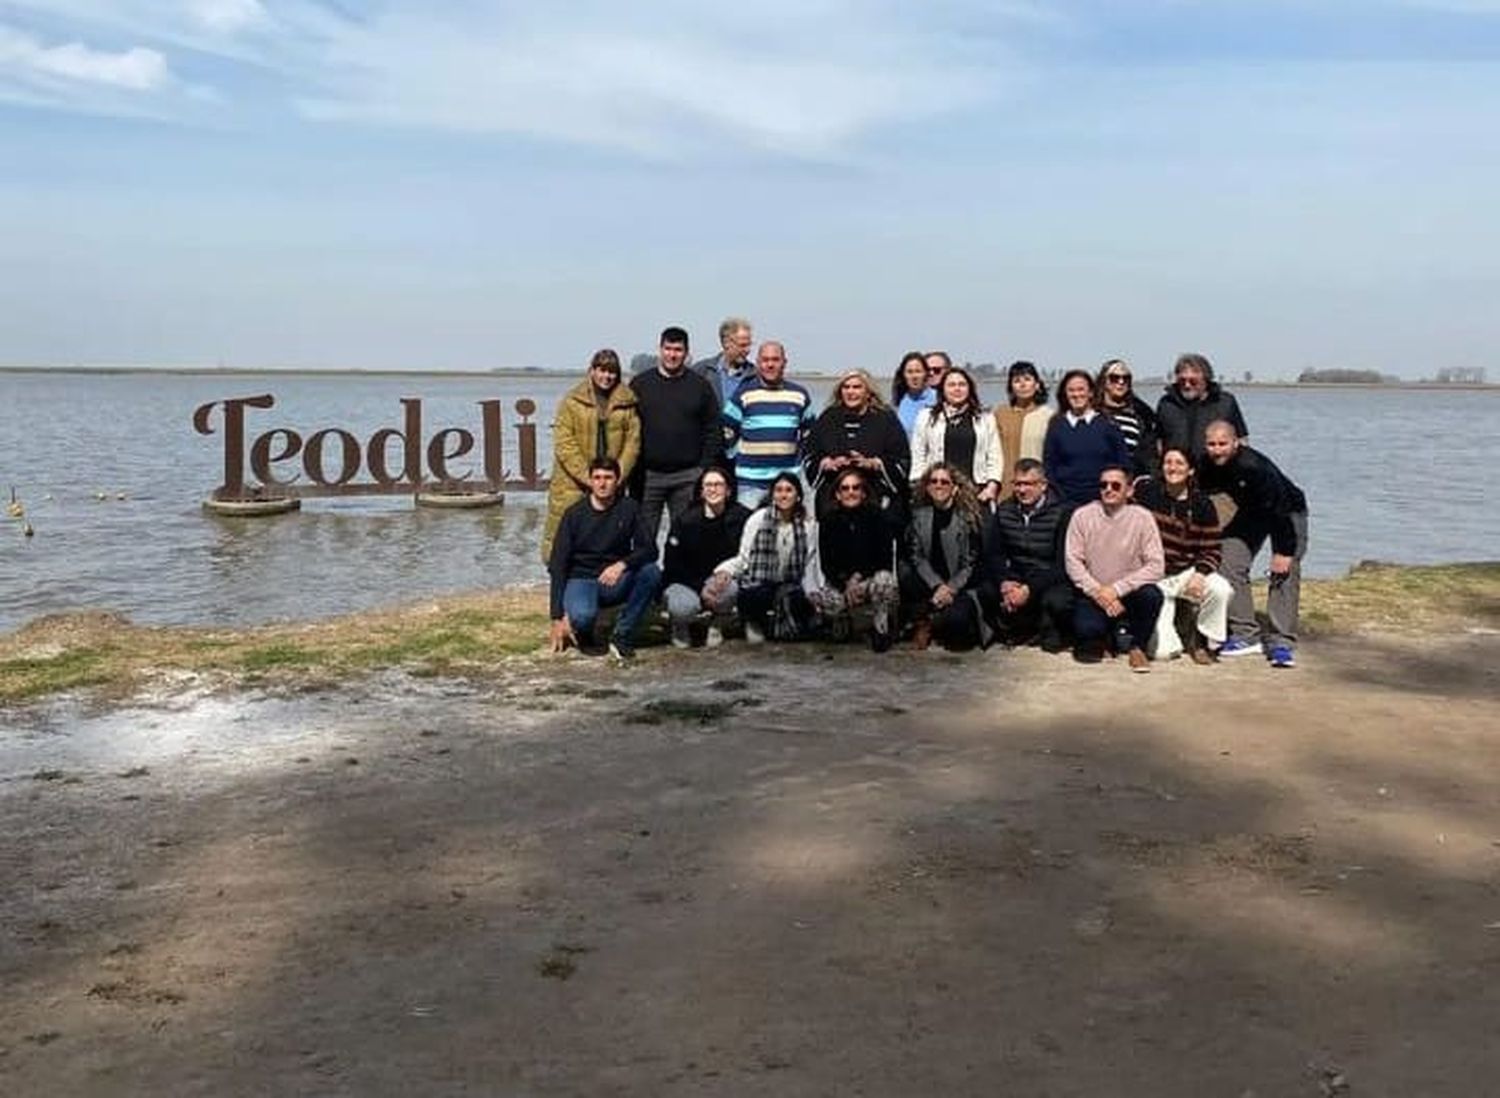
column 1052, row 645
column 621, row 652
column 681, row 636
column 754, row 634
column 1201, row 656
column 1238, row 646
column 1138, row 661
column 880, row 640
column 1088, row 653
column 921, row 634
column 714, row 638
column 1282, row 656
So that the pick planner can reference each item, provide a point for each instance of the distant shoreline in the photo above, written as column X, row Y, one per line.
column 523, row 373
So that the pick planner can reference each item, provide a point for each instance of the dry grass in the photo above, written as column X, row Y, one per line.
column 467, row 635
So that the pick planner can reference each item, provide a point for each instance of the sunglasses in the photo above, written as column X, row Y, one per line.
column 1111, row 486
column 843, row 488
column 941, row 481
column 1117, row 377
column 933, row 371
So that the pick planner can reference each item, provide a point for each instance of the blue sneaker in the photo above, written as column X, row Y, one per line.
column 1238, row 646
column 1282, row 656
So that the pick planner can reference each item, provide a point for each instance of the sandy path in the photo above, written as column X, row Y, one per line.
column 1058, row 881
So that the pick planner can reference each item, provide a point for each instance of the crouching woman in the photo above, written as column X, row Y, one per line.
column 859, row 558
column 1191, row 542
column 777, row 568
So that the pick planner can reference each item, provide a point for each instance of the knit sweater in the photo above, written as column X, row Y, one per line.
column 679, row 420
column 1076, row 450
column 589, row 540
column 1189, row 527
column 1122, row 550
column 764, row 427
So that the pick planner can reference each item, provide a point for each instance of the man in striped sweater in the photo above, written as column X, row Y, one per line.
column 765, row 422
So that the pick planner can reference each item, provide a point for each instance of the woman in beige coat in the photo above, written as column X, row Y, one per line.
column 595, row 418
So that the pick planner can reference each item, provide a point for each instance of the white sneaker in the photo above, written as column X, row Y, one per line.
column 754, row 634
column 715, row 637
column 681, row 638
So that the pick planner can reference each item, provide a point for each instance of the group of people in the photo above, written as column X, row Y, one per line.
column 1103, row 525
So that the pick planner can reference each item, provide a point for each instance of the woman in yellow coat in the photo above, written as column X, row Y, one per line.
column 595, row 418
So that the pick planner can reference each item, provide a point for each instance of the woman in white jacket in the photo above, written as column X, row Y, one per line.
column 959, row 432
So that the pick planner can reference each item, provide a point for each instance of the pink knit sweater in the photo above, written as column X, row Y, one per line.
column 1122, row 550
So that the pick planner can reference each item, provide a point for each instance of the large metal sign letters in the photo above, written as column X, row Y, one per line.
column 400, row 460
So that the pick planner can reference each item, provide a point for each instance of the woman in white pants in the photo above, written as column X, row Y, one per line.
column 1192, row 541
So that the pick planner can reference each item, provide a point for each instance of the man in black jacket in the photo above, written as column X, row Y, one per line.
column 602, row 555
column 1267, row 505
column 1027, row 588
column 1192, row 402
column 680, row 434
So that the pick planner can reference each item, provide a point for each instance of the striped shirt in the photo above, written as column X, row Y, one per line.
column 764, row 429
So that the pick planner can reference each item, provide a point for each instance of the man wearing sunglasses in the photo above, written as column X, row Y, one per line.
column 1114, row 557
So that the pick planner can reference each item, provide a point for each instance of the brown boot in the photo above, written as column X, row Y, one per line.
column 1138, row 661
column 921, row 634
column 1201, row 655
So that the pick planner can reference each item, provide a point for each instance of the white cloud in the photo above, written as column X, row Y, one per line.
column 25, row 58
column 804, row 78
column 226, row 16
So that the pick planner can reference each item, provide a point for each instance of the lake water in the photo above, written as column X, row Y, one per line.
column 1393, row 475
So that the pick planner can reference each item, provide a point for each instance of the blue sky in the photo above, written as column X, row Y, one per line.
column 424, row 183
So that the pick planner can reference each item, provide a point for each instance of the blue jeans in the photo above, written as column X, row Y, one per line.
column 583, row 597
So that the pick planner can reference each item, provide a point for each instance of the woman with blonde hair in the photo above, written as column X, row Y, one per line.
column 858, row 430
column 595, row 419
column 940, row 567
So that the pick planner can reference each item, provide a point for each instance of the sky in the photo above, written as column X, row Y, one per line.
column 427, row 184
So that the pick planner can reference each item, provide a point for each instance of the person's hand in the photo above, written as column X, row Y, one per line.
column 559, row 636
column 715, row 586
column 1195, row 587
column 612, row 573
column 943, row 596
column 991, row 491
column 1108, row 601
column 833, row 464
column 853, row 592
column 1281, row 564
column 1014, row 595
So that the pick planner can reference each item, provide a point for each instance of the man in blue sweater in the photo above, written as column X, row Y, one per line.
column 602, row 555
column 765, row 422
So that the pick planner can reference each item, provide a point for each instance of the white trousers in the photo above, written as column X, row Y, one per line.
column 1213, row 613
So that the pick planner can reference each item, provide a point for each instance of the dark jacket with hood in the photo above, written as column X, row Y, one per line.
column 1181, row 423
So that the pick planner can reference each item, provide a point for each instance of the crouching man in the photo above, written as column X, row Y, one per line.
column 602, row 555
column 1115, row 559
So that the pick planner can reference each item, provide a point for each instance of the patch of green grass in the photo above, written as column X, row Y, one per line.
column 271, row 656
column 32, row 677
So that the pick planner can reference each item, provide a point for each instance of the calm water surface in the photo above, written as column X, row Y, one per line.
column 1395, row 475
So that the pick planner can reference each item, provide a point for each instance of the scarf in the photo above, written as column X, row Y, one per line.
column 763, row 566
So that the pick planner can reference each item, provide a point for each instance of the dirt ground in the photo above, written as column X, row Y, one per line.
column 786, row 872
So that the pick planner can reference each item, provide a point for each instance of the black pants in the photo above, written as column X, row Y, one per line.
column 955, row 626
column 1047, row 615
column 1131, row 629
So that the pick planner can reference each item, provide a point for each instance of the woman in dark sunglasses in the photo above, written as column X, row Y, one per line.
column 1115, row 397
column 940, row 562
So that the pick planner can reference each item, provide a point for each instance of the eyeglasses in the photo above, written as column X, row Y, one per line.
column 845, row 488
column 1118, row 377
column 933, row 371
column 940, row 482
column 1111, row 486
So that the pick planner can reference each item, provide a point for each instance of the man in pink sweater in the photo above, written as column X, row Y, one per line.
column 1114, row 557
